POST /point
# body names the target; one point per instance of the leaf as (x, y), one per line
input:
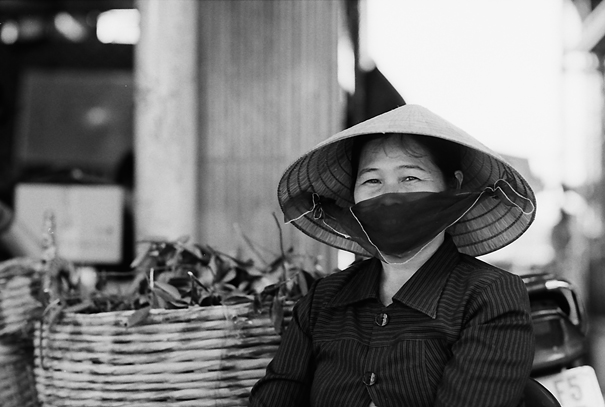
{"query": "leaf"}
(243, 286)
(197, 281)
(189, 257)
(183, 239)
(140, 257)
(138, 285)
(53, 304)
(226, 287)
(167, 291)
(156, 300)
(172, 262)
(275, 264)
(223, 269)
(177, 304)
(166, 250)
(53, 311)
(254, 272)
(229, 275)
(169, 295)
(138, 316)
(302, 283)
(271, 290)
(210, 299)
(240, 263)
(205, 252)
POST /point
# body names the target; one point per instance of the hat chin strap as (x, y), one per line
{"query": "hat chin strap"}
(315, 198)
(383, 257)
(348, 237)
(317, 213)
(496, 187)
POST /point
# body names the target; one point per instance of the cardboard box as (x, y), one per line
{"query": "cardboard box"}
(88, 218)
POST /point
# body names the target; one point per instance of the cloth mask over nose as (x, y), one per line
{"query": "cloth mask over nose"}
(397, 224)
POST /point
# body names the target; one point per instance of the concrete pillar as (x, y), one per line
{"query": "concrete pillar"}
(166, 119)
(268, 92)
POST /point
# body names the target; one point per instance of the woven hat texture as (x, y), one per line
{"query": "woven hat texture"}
(326, 170)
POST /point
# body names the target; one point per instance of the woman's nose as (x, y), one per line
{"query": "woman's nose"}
(392, 187)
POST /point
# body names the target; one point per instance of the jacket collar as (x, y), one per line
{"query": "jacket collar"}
(421, 292)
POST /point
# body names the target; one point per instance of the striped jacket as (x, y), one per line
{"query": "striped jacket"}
(457, 334)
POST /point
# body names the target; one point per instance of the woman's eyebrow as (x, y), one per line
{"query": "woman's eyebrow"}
(366, 170)
(411, 167)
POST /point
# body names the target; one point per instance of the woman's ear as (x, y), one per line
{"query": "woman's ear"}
(459, 177)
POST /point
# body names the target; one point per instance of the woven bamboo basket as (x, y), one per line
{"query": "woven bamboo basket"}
(17, 386)
(19, 308)
(19, 305)
(200, 356)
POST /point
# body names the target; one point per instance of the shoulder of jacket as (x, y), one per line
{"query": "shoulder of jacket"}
(478, 272)
(326, 287)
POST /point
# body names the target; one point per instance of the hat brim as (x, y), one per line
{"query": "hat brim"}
(326, 170)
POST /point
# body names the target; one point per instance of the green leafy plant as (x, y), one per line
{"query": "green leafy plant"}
(177, 274)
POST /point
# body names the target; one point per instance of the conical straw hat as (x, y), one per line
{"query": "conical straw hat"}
(326, 170)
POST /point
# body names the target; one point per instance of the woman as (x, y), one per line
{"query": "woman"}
(420, 322)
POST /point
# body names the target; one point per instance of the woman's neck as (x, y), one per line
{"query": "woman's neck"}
(397, 271)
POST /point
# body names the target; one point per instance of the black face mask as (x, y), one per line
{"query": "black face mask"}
(397, 224)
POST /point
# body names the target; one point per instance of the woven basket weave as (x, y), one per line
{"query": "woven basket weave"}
(17, 388)
(201, 356)
(19, 306)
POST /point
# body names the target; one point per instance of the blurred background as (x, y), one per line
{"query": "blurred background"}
(164, 118)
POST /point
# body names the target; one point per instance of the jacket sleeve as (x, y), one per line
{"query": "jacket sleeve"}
(289, 376)
(492, 359)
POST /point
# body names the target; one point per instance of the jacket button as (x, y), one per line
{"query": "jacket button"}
(382, 319)
(369, 378)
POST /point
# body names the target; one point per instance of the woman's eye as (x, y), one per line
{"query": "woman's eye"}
(410, 178)
(371, 181)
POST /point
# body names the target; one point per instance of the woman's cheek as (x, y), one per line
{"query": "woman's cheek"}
(361, 193)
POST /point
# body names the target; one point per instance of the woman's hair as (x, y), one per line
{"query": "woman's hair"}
(445, 154)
